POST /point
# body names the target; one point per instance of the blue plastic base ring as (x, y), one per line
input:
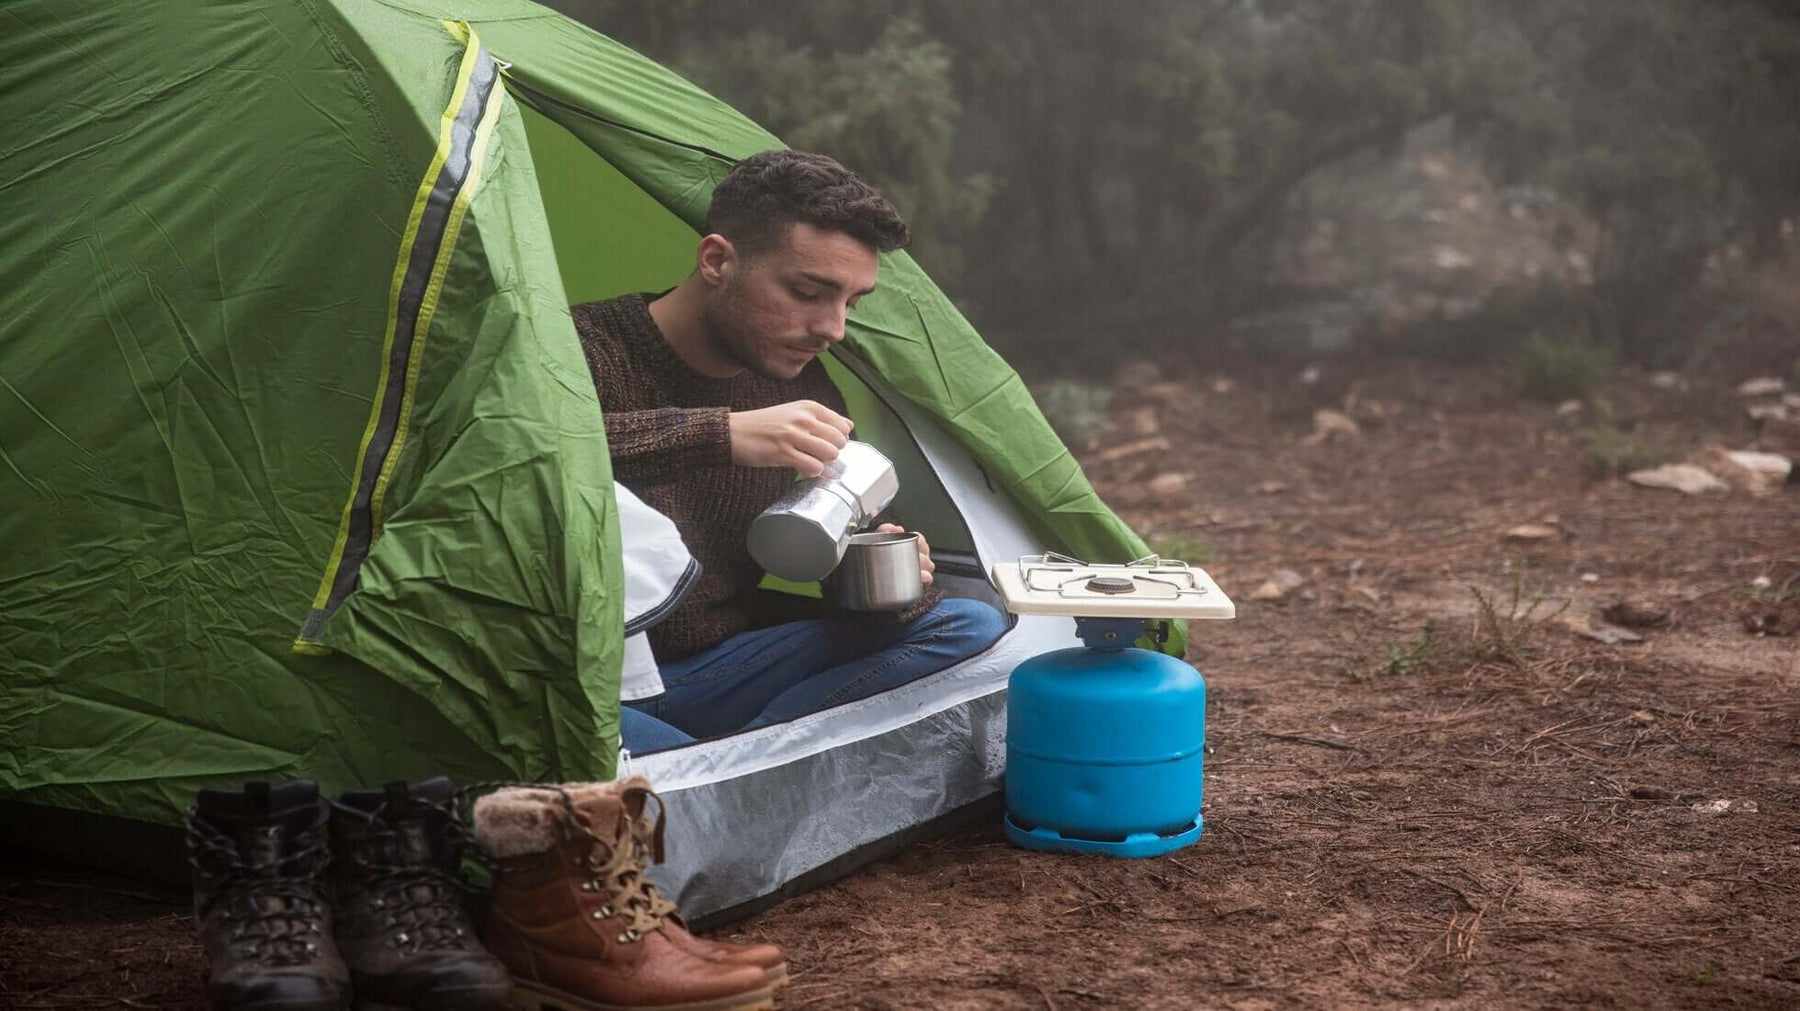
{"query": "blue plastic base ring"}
(1137, 844)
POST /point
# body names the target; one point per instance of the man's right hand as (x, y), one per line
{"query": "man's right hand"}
(803, 435)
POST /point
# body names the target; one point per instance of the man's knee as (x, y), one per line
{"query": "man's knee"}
(968, 626)
(642, 733)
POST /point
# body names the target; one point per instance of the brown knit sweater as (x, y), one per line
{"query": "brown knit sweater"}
(666, 427)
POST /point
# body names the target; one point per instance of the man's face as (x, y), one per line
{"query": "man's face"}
(776, 311)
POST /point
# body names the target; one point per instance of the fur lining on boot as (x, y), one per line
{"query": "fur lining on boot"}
(517, 821)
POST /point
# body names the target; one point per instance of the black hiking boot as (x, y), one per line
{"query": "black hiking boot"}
(258, 857)
(402, 920)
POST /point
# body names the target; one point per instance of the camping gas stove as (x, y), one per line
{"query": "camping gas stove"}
(1149, 588)
(1106, 742)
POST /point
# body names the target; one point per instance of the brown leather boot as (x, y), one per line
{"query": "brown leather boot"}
(401, 921)
(759, 954)
(259, 856)
(574, 919)
(647, 837)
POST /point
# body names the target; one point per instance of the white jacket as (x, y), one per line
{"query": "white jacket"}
(659, 571)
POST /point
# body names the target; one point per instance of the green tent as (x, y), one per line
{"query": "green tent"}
(304, 470)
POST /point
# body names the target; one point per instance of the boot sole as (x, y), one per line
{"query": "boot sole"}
(471, 999)
(538, 997)
(279, 1005)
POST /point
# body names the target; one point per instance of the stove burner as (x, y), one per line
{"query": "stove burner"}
(1111, 584)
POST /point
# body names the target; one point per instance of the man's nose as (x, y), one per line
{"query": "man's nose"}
(829, 325)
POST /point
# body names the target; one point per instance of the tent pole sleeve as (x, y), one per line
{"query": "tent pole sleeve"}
(426, 245)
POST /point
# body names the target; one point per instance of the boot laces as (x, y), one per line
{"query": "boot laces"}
(422, 900)
(647, 848)
(618, 866)
(273, 907)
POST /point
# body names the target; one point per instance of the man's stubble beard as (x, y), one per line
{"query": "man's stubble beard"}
(725, 320)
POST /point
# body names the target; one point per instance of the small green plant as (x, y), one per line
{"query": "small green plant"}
(1553, 370)
(1076, 410)
(1609, 452)
(1193, 550)
(1416, 654)
(1711, 972)
(1506, 636)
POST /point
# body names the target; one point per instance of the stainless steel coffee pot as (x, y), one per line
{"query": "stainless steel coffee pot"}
(802, 537)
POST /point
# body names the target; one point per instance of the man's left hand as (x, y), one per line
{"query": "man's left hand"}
(926, 568)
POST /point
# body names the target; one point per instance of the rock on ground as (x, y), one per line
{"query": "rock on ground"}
(1329, 424)
(1600, 632)
(1172, 483)
(1635, 614)
(1532, 532)
(1682, 477)
(1279, 585)
(1756, 473)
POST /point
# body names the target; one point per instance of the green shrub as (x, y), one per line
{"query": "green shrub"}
(1076, 410)
(1553, 370)
(1611, 452)
(1508, 635)
(1420, 653)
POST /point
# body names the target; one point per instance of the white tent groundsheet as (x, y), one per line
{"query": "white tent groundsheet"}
(748, 814)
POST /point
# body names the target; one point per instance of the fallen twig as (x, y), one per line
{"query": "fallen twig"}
(1467, 904)
(1315, 741)
(1091, 905)
(161, 900)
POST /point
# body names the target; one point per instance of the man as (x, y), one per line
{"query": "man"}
(714, 399)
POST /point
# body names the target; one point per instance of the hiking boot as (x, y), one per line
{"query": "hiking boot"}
(575, 920)
(760, 955)
(647, 838)
(258, 857)
(401, 919)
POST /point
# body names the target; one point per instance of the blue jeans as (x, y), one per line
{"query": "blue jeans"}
(780, 673)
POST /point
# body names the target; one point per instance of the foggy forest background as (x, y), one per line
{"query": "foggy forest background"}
(1607, 179)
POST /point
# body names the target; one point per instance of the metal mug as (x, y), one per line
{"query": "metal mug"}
(802, 537)
(880, 572)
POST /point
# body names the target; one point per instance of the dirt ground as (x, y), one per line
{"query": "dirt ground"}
(1503, 813)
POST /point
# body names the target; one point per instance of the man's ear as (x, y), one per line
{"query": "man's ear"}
(716, 260)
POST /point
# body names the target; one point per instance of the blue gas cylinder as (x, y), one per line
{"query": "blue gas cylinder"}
(1104, 752)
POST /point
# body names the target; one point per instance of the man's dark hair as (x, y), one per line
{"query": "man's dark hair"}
(766, 193)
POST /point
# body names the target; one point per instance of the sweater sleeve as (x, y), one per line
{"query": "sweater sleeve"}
(657, 446)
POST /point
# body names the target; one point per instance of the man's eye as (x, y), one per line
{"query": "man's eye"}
(806, 296)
